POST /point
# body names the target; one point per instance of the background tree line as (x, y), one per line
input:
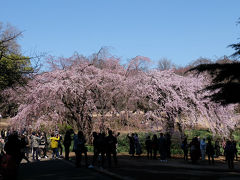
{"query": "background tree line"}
(80, 86)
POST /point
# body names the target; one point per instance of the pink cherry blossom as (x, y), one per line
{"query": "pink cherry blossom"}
(76, 91)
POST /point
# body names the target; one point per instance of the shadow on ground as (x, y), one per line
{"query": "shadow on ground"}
(138, 168)
(55, 170)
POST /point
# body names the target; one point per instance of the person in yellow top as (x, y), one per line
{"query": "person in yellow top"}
(54, 145)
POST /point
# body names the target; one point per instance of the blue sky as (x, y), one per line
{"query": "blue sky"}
(180, 30)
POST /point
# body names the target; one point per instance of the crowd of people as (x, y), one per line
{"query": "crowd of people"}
(104, 147)
(15, 146)
(199, 148)
(153, 146)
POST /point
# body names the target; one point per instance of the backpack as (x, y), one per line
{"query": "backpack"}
(81, 145)
(193, 147)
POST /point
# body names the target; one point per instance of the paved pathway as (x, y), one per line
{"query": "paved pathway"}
(129, 169)
(56, 170)
(173, 169)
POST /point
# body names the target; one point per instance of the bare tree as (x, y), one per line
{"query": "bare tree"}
(200, 61)
(225, 60)
(8, 40)
(165, 64)
(138, 64)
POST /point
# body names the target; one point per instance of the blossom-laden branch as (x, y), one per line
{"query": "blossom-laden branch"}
(73, 94)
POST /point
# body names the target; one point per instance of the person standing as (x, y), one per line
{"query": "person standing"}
(229, 151)
(23, 145)
(67, 143)
(162, 148)
(43, 145)
(184, 147)
(203, 148)
(111, 142)
(137, 145)
(54, 145)
(96, 148)
(80, 148)
(235, 149)
(102, 147)
(210, 151)
(28, 146)
(148, 144)
(12, 157)
(60, 148)
(155, 146)
(131, 145)
(224, 143)
(194, 149)
(35, 141)
(217, 148)
(168, 145)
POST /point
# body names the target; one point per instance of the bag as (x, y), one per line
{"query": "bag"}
(81, 145)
